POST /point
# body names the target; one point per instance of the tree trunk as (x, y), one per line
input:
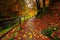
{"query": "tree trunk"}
(38, 4)
(39, 9)
(44, 6)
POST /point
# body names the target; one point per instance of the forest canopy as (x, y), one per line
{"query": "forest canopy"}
(15, 8)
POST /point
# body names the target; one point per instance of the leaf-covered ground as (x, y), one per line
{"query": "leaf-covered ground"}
(32, 28)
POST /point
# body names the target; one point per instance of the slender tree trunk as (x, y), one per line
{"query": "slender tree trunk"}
(39, 9)
(38, 4)
(44, 6)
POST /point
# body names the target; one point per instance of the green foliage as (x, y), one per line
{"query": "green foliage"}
(47, 32)
(11, 39)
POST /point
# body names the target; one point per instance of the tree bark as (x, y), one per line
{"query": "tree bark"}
(39, 9)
